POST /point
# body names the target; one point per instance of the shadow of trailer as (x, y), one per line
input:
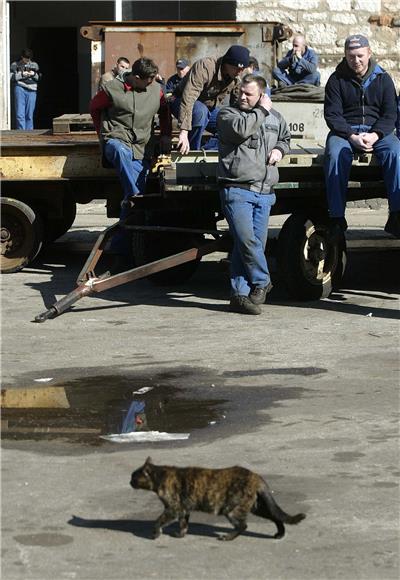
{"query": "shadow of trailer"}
(179, 220)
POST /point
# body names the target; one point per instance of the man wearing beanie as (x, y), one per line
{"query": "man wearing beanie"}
(360, 110)
(201, 93)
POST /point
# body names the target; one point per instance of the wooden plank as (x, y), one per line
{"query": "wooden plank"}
(73, 122)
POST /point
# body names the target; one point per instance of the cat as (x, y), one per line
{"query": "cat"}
(233, 492)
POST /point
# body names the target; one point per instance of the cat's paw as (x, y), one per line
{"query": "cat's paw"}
(156, 533)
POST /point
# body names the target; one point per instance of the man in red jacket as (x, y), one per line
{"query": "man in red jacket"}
(123, 113)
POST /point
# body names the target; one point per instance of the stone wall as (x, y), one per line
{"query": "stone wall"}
(326, 24)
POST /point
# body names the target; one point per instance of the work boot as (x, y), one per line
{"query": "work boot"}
(393, 224)
(336, 229)
(259, 293)
(243, 305)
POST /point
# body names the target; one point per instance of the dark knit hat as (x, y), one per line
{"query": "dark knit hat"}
(182, 63)
(356, 41)
(237, 56)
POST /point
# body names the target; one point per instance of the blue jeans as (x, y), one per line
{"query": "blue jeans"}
(339, 154)
(25, 102)
(292, 79)
(132, 173)
(247, 214)
(202, 118)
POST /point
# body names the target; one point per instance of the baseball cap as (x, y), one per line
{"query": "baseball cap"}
(356, 41)
(182, 63)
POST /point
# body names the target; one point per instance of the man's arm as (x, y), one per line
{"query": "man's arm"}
(236, 126)
(308, 64)
(198, 76)
(388, 114)
(333, 110)
(99, 102)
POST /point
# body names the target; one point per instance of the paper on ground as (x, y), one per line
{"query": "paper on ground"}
(144, 436)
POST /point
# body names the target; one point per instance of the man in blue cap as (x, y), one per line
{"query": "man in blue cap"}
(182, 68)
(360, 110)
(202, 92)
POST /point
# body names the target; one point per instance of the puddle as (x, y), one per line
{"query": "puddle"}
(84, 410)
(187, 402)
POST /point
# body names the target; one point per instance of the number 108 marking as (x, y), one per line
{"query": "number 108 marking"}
(295, 127)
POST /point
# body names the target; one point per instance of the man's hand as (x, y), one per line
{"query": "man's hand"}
(183, 142)
(165, 144)
(363, 141)
(370, 139)
(265, 102)
(274, 157)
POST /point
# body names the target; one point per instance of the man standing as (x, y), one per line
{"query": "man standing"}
(253, 138)
(25, 78)
(121, 66)
(360, 111)
(123, 115)
(299, 66)
(202, 92)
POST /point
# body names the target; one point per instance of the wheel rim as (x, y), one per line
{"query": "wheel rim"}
(17, 239)
(318, 257)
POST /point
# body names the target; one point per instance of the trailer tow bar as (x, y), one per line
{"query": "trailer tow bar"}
(89, 283)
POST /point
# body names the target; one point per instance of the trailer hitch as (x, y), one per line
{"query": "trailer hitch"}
(89, 283)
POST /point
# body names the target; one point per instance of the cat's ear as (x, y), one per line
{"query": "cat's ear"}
(149, 461)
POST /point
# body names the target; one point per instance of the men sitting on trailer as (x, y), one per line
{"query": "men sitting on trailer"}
(299, 66)
(123, 115)
(360, 110)
(253, 138)
(201, 93)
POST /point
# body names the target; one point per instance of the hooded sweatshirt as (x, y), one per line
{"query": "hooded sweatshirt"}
(29, 83)
(350, 100)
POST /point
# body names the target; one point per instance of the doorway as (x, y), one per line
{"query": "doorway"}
(55, 51)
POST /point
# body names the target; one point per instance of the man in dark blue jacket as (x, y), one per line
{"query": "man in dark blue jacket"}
(299, 66)
(360, 111)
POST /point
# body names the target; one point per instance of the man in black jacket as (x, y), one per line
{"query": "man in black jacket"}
(360, 111)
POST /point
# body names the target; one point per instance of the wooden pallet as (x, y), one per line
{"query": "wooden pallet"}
(73, 123)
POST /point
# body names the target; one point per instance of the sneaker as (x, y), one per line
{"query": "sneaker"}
(393, 224)
(243, 305)
(259, 293)
(336, 229)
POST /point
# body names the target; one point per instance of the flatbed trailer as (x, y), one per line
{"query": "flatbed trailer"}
(178, 220)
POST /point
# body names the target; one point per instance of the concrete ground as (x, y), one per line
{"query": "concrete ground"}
(307, 394)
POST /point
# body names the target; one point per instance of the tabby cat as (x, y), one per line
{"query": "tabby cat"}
(233, 492)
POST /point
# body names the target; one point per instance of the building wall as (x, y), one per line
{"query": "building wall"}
(326, 24)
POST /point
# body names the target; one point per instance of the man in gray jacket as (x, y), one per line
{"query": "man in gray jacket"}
(253, 138)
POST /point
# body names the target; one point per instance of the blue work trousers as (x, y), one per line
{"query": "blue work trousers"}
(293, 79)
(25, 102)
(203, 119)
(247, 214)
(339, 155)
(132, 173)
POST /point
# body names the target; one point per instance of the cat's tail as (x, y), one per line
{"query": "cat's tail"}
(266, 507)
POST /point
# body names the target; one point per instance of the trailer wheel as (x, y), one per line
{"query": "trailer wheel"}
(308, 265)
(21, 235)
(150, 246)
(55, 228)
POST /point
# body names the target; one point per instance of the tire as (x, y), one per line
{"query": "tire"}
(150, 246)
(308, 265)
(21, 235)
(55, 228)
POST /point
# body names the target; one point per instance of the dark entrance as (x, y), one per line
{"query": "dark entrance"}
(55, 50)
